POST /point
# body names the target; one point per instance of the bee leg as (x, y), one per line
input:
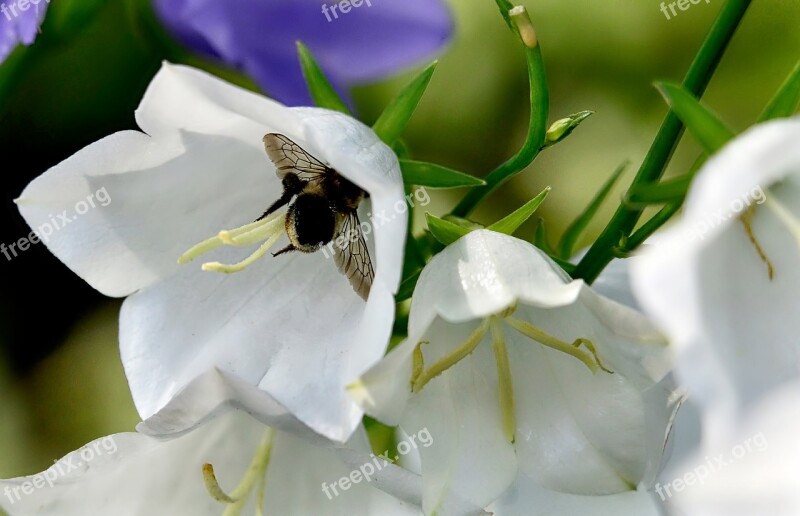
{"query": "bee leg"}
(286, 249)
(283, 201)
(292, 185)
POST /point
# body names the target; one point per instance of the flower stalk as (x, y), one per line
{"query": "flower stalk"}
(697, 78)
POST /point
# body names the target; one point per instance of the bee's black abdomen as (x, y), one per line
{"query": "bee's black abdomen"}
(314, 220)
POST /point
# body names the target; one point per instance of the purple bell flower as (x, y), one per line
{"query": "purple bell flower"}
(354, 41)
(18, 25)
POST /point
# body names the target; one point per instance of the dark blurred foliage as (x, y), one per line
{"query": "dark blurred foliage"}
(67, 93)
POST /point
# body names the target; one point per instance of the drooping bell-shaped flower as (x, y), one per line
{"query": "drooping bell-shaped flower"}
(203, 454)
(355, 41)
(723, 281)
(536, 380)
(292, 324)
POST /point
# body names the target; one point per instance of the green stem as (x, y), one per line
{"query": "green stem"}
(652, 225)
(537, 126)
(697, 78)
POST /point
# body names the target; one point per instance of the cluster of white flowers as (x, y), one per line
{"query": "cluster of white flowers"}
(542, 396)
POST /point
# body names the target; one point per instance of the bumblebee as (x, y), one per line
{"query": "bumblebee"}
(323, 209)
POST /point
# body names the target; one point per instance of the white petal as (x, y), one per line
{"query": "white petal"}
(526, 497)
(584, 433)
(356, 152)
(293, 327)
(576, 432)
(133, 474)
(202, 169)
(468, 456)
(298, 471)
(214, 393)
(483, 273)
(400, 483)
(746, 466)
(383, 391)
(734, 328)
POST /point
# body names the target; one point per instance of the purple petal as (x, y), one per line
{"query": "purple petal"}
(18, 26)
(378, 38)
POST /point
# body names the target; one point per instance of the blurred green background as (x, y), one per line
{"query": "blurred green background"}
(61, 382)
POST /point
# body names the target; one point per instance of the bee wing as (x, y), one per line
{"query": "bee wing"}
(352, 256)
(290, 157)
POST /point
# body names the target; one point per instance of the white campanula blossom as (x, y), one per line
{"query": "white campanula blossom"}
(291, 325)
(550, 394)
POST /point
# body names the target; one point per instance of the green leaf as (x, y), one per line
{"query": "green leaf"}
(400, 148)
(392, 122)
(785, 101)
(413, 258)
(513, 221)
(464, 223)
(540, 239)
(560, 129)
(664, 192)
(421, 173)
(570, 237)
(568, 267)
(407, 287)
(444, 231)
(662, 149)
(520, 22)
(318, 84)
(66, 18)
(704, 125)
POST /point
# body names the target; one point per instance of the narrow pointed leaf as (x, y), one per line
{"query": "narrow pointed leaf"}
(413, 256)
(540, 238)
(407, 286)
(513, 221)
(667, 191)
(67, 18)
(318, 84)
(400, 148)
(785, 101)
(704, 125)
(568, 267)
(444, 231)
(570, 237)
(392, 122)
(421, 173)
(464, 223)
